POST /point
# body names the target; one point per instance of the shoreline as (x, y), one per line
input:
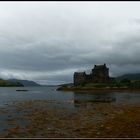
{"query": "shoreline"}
(97, 89)
(93, 121)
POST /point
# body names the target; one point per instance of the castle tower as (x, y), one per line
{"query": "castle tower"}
(100, 73)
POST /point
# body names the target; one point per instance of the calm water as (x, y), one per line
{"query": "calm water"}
(9, 94)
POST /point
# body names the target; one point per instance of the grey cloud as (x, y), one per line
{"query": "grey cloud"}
(47, 42)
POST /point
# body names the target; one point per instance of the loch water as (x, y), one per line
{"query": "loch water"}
(10, 94)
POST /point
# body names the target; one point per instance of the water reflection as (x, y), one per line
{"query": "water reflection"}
(82, 99)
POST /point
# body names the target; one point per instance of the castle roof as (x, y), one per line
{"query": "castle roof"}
(100, 66)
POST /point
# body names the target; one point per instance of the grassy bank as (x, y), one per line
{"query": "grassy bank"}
(116, 86)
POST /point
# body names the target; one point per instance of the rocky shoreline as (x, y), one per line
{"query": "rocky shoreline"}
(93, 120)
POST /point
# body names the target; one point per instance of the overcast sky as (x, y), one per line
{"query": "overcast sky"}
(48, 41)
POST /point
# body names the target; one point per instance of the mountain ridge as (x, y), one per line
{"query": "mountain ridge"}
(130, 76)
(24, 82)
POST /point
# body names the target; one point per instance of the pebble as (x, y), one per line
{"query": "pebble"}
(107, 127)
(138, 125)
(105, 114)
(102, 125)
(77, 129)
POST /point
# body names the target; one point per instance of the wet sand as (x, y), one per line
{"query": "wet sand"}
(90, 120)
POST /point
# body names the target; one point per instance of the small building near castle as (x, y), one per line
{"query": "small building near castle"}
(99, 74)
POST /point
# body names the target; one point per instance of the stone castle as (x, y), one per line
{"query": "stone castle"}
(99, 74)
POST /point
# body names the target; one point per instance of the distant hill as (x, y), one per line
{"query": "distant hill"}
(130, 76)
(24, 82)
(6, 83)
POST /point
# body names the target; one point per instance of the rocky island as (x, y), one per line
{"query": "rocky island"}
(99, 79)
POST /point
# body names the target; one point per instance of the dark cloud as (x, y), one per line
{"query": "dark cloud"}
(49, 41)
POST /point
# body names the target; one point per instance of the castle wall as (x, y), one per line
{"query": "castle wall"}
(79, 78)
(100, 74)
